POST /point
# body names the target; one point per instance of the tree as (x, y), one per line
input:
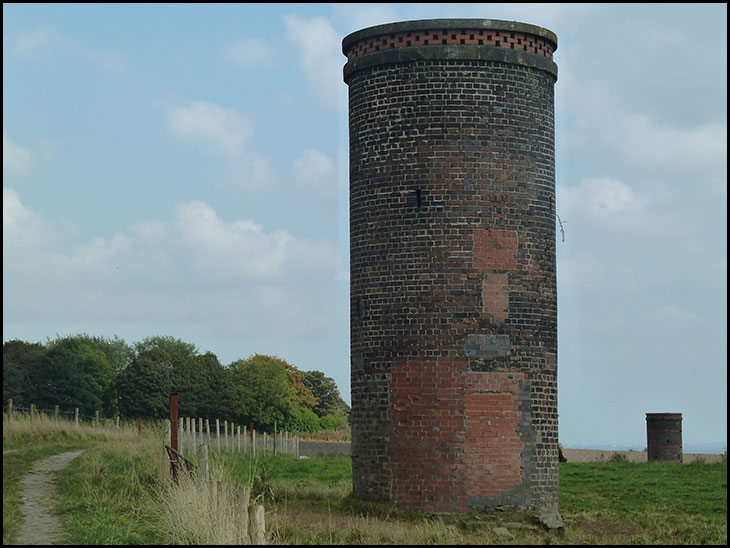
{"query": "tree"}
(326, 392)
(144, 386)
(118, 353)
(261, 390)
(20, 358)
(72, 373)
(210, 386)
(267, 389)
(178, 357)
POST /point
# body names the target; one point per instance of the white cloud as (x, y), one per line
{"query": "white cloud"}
(37, 43)
(23, 229)
(45, 42)
(664, 145)
(197, 270)
(315, 170)
(225, 128)
(17, 160)
(229, 132)
(237, 249)
(601, 198)
(320, 48)
(250, 52)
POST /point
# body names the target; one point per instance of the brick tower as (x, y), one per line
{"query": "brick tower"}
(452, 264)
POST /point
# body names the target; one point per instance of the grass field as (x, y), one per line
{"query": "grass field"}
(119, 492)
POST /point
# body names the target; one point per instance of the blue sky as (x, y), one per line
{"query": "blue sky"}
(182, 170)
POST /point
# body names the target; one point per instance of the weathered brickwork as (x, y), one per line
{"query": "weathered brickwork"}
(481, 37)
(452, 269)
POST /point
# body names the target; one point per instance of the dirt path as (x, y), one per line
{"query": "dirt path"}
(41, 525)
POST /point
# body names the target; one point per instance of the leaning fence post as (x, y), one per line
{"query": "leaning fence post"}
(256, 525)
(244, 496)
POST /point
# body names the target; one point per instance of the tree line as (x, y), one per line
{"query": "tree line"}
(118, 379)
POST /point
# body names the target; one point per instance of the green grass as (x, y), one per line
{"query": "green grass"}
(603, 503)
(667, 502)
(110, 494)
(119, 492)
(631, 488)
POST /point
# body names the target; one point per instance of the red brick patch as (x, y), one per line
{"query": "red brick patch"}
(493, 449)
(495, 249)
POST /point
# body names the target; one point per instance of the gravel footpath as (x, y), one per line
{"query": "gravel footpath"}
(41, 525)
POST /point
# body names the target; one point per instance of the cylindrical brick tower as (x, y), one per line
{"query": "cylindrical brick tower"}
(664, 437)
(452, 264)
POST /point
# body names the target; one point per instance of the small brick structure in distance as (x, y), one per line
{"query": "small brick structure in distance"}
(452, 264)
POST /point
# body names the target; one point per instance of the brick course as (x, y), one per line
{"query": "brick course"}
(452, 269)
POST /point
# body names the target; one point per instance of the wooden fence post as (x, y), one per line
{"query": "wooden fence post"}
(181, 439)
(218, 434)
(257, 526)
(55, 412)
(244, 496)
(96, 418)
(10, 406)
(76, 417)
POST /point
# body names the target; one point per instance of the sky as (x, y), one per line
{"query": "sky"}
(181, 170)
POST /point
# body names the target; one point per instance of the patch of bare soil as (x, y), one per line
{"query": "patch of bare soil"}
(41, 525)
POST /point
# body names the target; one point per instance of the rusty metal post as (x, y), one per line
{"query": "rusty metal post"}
(173, 422)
